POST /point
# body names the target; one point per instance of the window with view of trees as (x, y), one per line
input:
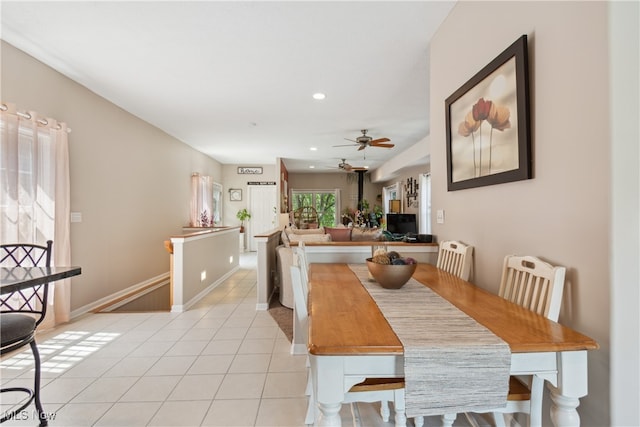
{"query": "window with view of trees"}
(325, 202)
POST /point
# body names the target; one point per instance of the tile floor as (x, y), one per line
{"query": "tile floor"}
(221, 363)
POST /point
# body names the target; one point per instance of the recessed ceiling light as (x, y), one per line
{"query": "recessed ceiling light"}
(312, 167)
(319, 96)
(313, 148)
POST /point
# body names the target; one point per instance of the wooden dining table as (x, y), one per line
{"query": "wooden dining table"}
(350, 339)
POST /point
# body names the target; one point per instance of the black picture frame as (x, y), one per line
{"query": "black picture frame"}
(486, 144)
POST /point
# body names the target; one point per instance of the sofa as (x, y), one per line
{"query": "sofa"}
(290, 237)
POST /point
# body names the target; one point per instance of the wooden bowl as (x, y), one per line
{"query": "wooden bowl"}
(391, 276)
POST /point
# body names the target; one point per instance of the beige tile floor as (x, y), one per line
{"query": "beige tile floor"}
(221, 363)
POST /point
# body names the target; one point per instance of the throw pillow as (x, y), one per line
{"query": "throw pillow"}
(339, 234)
(366, 234)
(309, 238)
(307, 231)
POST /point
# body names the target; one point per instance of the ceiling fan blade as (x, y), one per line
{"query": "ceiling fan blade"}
(383, 145)
(346, 145)
(362, 147)
(359, 169)
(352, 140)
(376, 141)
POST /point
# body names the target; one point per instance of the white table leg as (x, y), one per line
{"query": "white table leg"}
(328, 374)
(329, 415)
(572, 385)
(563, 409)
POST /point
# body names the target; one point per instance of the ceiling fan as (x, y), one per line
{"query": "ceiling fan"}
(348, 168)
(365, 141)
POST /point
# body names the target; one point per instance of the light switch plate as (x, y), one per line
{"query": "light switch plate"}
(440, 216)
(76, 217)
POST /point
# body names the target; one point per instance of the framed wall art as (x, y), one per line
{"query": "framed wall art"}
(235, 195)
(488, 126)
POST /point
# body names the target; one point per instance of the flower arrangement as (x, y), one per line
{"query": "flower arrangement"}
(496, 116)
(204, 219)
(361, 217)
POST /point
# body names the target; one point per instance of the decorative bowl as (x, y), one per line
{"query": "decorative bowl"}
(391, 276)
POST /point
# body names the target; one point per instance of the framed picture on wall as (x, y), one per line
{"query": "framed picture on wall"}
(235, 195)
(487, 124)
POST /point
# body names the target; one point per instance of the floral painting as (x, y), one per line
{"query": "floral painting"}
(487, 120)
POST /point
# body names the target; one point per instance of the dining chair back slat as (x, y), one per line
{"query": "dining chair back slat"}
(456, 258)
(534, 284)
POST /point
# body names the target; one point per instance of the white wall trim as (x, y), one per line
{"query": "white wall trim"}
(164, 277)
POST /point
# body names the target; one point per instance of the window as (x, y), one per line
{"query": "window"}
(325, 202)
(217, 203)
(425, 203)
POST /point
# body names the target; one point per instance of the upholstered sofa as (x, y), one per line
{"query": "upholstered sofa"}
(291, 236)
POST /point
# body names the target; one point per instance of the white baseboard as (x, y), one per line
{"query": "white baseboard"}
(162, 278)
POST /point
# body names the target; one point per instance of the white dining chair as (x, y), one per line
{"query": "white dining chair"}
(302, 261)
(371, 390)
(538, 286)
(456, 258)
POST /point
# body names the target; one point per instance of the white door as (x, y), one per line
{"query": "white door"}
(262, 207)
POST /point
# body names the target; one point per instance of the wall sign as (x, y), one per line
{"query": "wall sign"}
(249, 171)
(261, 183)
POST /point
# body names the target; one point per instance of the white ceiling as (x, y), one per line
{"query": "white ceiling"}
(235, 79)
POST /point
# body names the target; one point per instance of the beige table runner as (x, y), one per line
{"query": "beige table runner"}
(452, 364)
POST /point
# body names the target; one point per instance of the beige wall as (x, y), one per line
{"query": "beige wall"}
(563, 213)
(129, 180)
(232, 179)
(347, 183)
(402, 177)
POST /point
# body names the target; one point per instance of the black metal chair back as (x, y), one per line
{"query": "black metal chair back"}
(31, 300)
(21, 311)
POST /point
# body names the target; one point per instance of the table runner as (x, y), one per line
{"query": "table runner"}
(458, 366)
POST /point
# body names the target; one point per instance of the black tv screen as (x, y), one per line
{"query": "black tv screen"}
(402, 223)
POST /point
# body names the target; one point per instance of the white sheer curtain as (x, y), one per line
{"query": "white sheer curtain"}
(202, 209)
(34, 193)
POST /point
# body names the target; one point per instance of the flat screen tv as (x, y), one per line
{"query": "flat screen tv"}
(402, 223)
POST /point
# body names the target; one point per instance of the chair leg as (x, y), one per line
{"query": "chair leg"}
(310, 417)
(535, 404)
(399, 408)
(448, 419)
(471, 419)
(498, 418)
(418, 421)
(36, 385)
(384, 411)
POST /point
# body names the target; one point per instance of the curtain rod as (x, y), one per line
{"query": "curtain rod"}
(43, 122)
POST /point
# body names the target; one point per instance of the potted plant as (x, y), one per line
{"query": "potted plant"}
(243, 215)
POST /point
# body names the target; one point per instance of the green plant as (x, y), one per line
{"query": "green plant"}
(243, 215)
